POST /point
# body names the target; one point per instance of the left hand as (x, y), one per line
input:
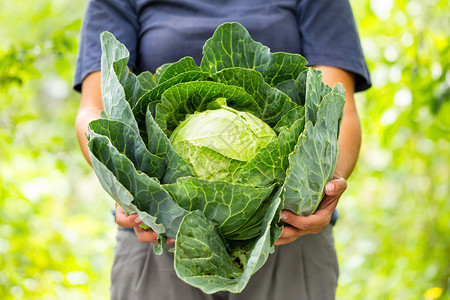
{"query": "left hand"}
(133, 221)
(298, 225)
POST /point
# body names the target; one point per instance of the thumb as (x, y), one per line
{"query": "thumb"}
(336, 186)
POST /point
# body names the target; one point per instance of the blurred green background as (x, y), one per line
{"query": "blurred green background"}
(56, 228)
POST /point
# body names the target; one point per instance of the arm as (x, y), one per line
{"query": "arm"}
(90, 108)
(349, 143)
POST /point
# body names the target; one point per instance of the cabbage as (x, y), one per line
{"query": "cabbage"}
(210, 154)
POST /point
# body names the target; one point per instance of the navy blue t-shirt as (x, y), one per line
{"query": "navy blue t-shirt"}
(158, 32)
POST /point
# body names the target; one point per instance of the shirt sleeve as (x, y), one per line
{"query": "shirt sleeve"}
(330, 37)
(116, 16)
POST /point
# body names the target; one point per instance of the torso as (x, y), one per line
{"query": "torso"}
(170, 30)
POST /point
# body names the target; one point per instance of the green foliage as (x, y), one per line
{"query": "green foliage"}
(52, 244)
(392, 236)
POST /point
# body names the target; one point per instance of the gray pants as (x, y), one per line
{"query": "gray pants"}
(305, 269)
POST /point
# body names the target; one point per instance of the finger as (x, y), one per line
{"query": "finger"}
(309, 224)
(290, 232)
(288, 235)
(149, 235)
(285, 237)
(327, 205)
(330, 201)
(282, 241)
(336, 186)
(146, 236)
(125, 220)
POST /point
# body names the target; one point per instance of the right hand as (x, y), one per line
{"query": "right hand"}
(133, 221)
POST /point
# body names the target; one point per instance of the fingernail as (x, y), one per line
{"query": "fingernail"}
(138, 220)
(283, 216)
(329, 188)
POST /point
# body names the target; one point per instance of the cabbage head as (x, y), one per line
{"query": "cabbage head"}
(210, 154)
(217, 142)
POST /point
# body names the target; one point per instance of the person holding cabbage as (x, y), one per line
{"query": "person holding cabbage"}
(304, 264)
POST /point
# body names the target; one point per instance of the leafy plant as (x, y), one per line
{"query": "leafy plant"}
(209, 155)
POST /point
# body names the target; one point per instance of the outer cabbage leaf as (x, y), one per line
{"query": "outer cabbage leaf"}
(232, 46)
(153, 97)
(134, 191)
(273, 103)
(315, 91)
(226, 204)
(203, 260)
(290, 118)
(129, 81)
(115, 105)
(182, 66)
(190, 97)
(146, 80)
(128, 142)
(313, 161)
(270, 164)
(160, 70)
(159, 145)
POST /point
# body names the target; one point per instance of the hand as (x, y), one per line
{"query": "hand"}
(298, 225)
(134, 221)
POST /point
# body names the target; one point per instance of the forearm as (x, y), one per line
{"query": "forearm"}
(349, 144)
(85, 116)
(90, 108)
